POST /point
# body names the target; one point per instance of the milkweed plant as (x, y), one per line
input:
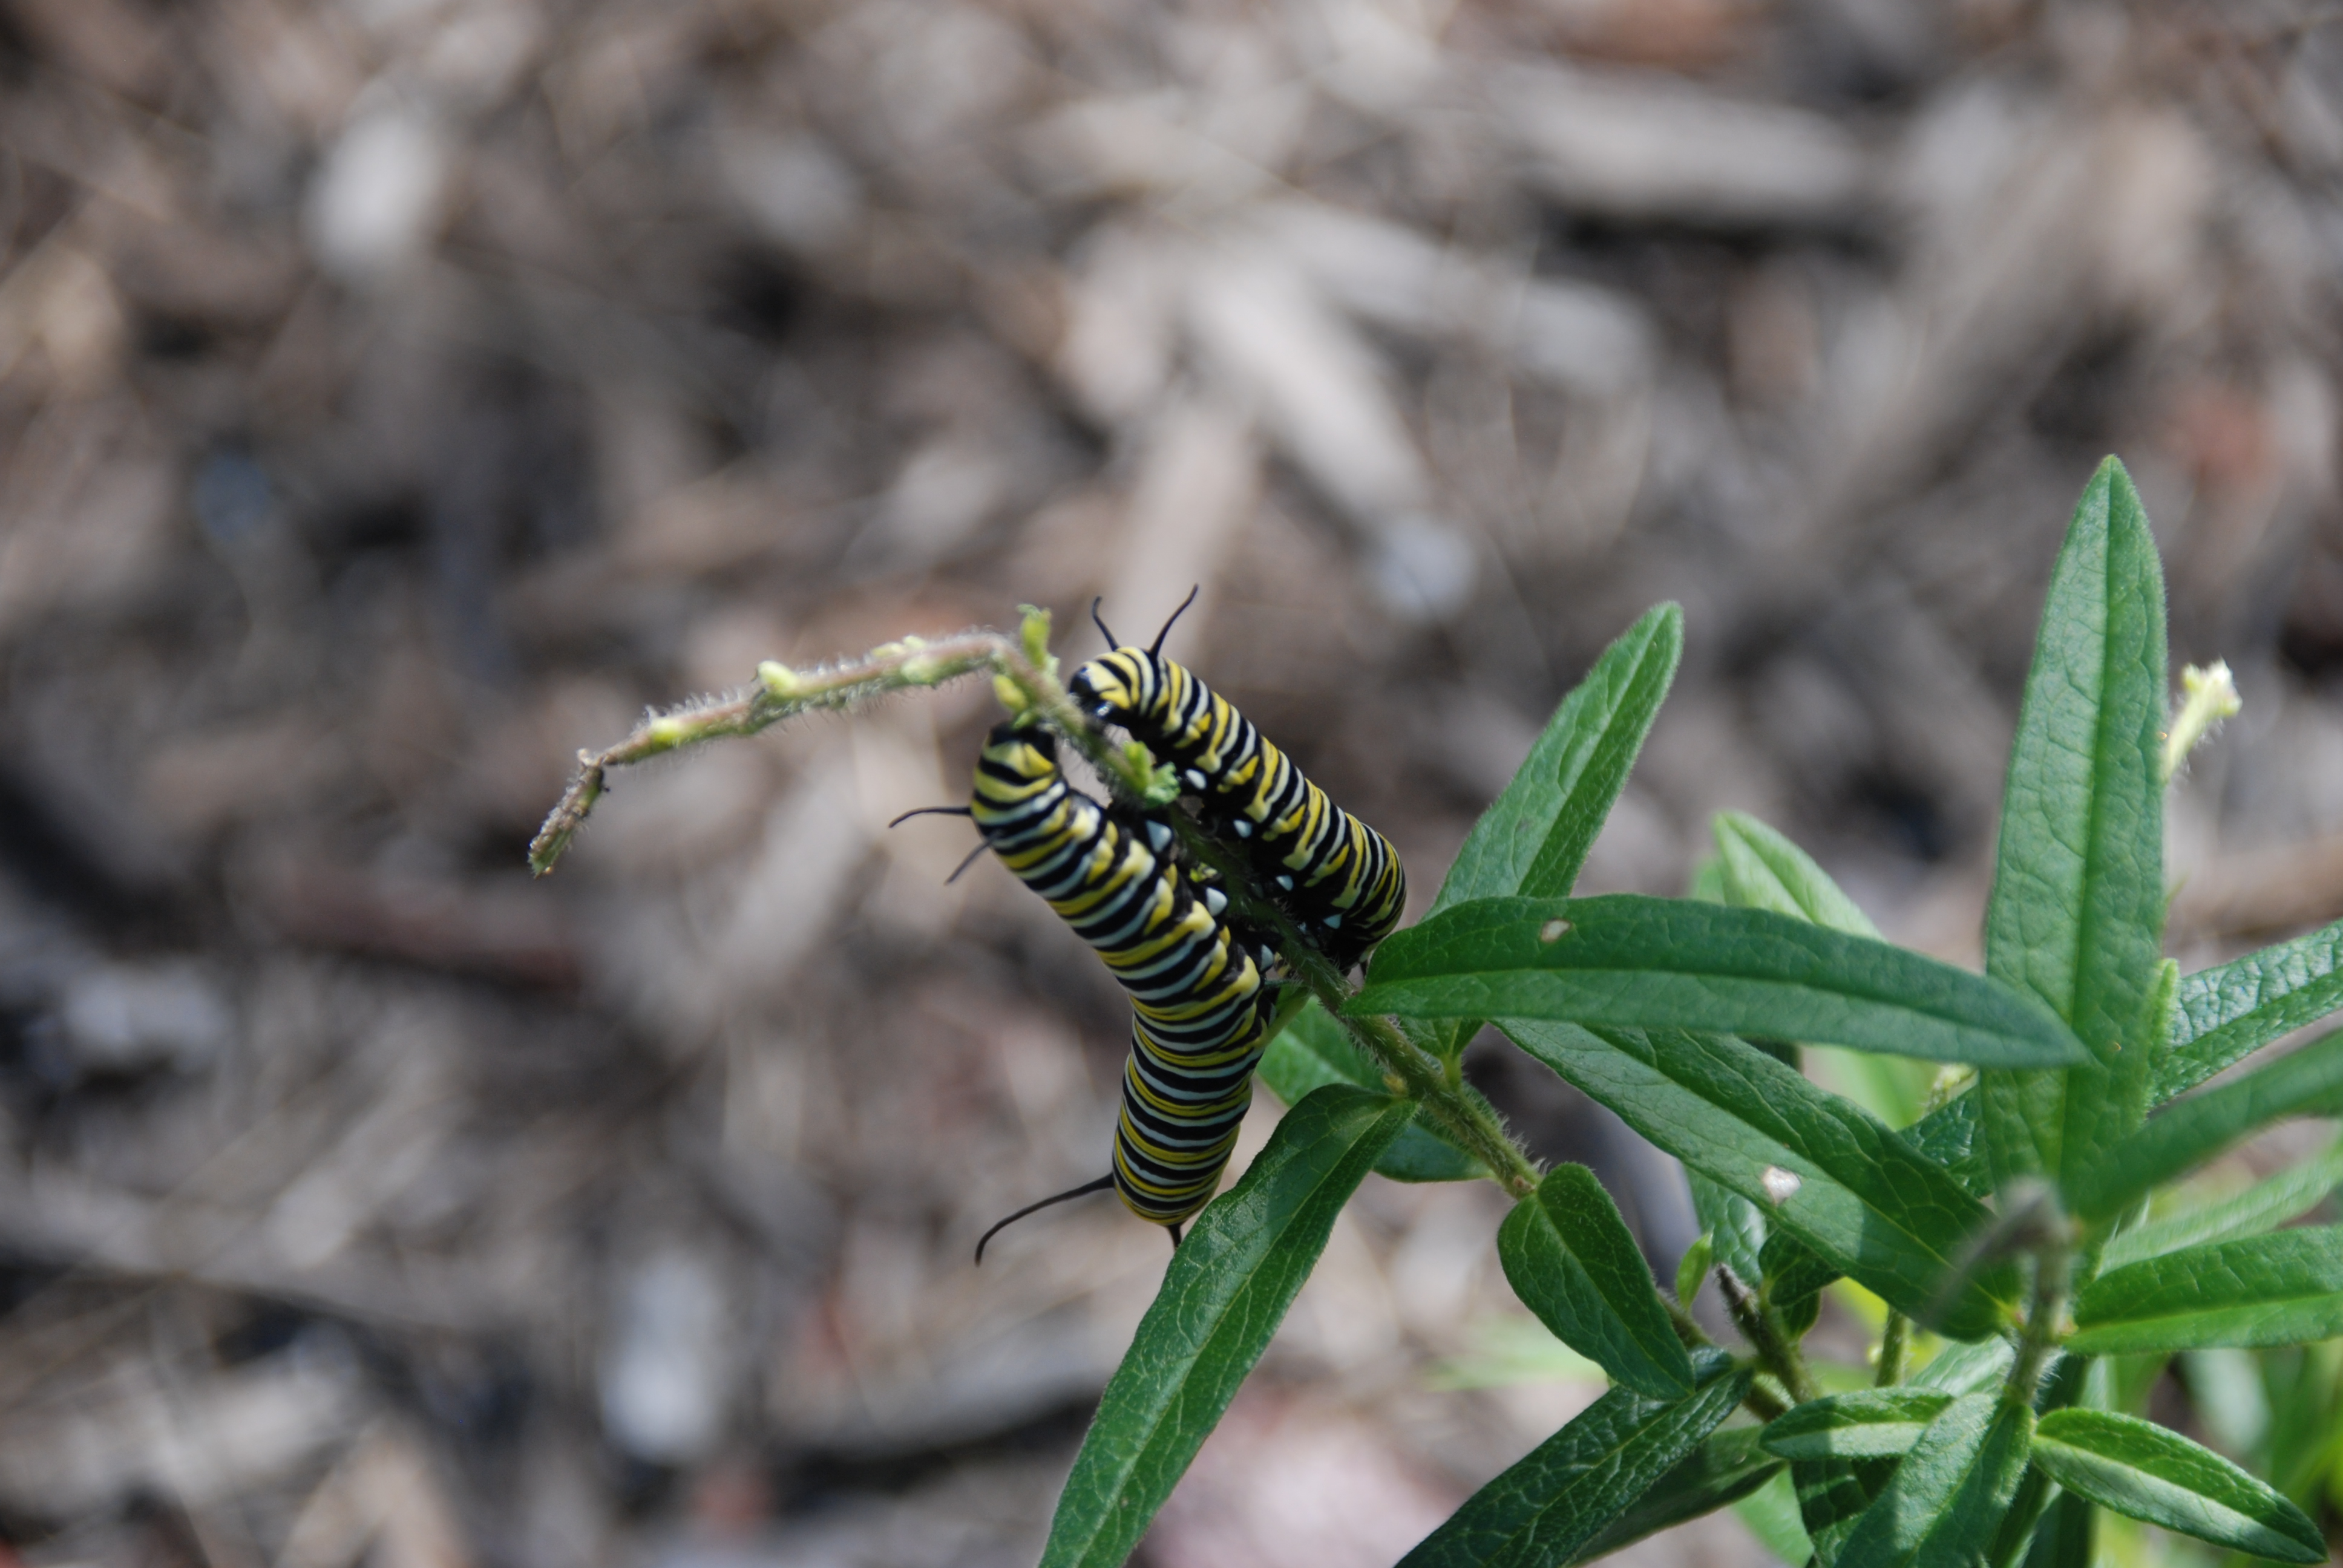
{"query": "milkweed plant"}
(2026, 1225)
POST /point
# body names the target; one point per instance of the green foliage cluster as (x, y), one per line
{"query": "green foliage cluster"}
(2014, 1216)
(2031, 1216)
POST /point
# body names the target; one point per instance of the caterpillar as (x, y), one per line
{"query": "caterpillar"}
(1341, 879)
(1201, 1008)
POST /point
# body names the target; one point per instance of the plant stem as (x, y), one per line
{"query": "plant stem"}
(1895, 1345)
(1688, 1328)
(2053, 1266)
(1761, 1404)
(1776, 1350)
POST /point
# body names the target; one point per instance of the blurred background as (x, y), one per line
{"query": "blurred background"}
(396, 395)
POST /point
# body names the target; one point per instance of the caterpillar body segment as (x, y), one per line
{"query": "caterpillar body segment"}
(1201, 1011)
(1340, 878)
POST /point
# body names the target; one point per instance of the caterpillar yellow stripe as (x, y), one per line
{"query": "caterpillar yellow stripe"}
(1341, 879)
(1200, 1009)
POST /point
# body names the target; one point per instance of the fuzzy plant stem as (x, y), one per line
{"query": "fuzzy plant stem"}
(1025, 676)
(1895, 1349)
(2053, 1273)
(1777, 1350)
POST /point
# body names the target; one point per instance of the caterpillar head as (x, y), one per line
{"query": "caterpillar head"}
(1112, 684)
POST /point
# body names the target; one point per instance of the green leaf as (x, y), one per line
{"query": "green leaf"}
(2288, 1195)
(2076, 913)
(2063, 1537)
(1313, 1051)
(1771, 1514)
(1876, 1423)
(2190, 1131)
(1572, 1486)
(1533, 839)
(1640, 962)
(2066, 1536)
(1721, 1471)
(1693, 1268)
(1967, 1369)
(1824, 1171)
(1227, 1288)
(2282, 1288)
(1574, 1263)
(1794, 1281)
(1763, 869)
(1948, 1495)
(2140, 1469)
(1833, 1495)
(2225, 1014)
(1736, 1231)
(1949, 1136)
(2063, 1385)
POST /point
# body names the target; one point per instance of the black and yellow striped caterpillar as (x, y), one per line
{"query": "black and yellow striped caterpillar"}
(1201, 1009)
(1340, 878)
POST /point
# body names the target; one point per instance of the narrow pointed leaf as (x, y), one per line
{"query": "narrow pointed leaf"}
(2288, 1195)
(1950, 1492)
(1824, 1171)
(1227, 1288)
(2282, 1288)
(1640, 962)
(1833, 1496)
(1967, 1369)
(2076, 913)
(2190, 1131)
(1574, 1263)
(1572, 1486)
(2064, 1537)
(2061, 1386)
(1874, 1424)
(1721, 1471)
(2225, 1014)
(1693, 1268)
(1533, 839)
(1763, 869)
(2140, 1469)
(1313, 1051)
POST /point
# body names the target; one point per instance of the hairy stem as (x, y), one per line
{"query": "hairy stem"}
(2053, 1273)
(1895, 1348)
(1687, 1329)
(779, 693)
(1778, 1353)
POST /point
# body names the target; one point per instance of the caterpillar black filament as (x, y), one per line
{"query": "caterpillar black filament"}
(1200, 1009)
(1340, 878)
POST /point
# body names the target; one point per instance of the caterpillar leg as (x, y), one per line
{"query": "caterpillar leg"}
(1174, 1228)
